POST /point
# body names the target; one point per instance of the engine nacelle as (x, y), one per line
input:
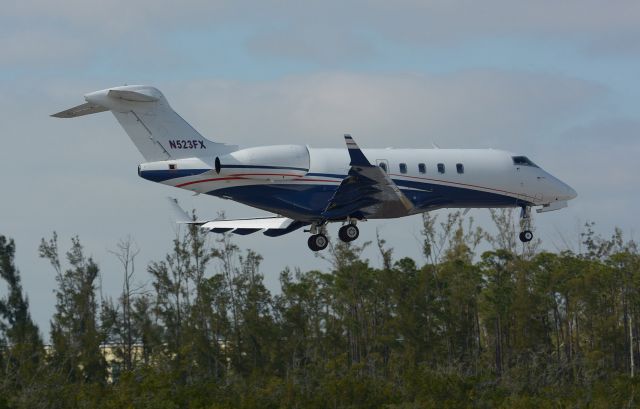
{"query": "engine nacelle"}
(278, 162)
(163, 170)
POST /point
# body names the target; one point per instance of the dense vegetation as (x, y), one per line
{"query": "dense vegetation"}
(514, 327)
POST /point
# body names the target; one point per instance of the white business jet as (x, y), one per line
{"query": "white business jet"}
(305, 186)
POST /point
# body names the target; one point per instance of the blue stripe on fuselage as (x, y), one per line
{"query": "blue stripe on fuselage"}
(307, 202)
(164, 175)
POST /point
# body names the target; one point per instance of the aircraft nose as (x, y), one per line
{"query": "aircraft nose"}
(558, 190)
(564, 191)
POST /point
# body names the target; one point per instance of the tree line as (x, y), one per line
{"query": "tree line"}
(511, 327)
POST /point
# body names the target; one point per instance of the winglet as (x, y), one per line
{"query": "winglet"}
(357, 157)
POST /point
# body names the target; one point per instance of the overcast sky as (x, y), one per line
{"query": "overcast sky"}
(557, 81)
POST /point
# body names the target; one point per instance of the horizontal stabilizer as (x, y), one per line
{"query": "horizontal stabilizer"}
(80, 110)
(141, 95)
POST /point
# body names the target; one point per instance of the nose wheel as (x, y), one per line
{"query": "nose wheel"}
(526, 235)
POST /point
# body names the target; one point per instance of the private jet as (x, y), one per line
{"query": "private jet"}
(312, 187)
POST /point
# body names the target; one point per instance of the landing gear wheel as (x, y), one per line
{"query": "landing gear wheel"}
(526, 236)
(348, 233)
(318, 242)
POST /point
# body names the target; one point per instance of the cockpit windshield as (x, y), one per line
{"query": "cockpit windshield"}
(523, 161)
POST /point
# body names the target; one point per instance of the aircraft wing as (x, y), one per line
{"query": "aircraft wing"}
(271, 226)
(366, 191)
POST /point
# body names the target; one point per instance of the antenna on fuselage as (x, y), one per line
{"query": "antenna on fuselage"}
(435, 146)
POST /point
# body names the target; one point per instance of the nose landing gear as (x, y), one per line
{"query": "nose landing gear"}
(526, 235)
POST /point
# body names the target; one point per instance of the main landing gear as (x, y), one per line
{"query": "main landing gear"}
(318, 240)
(526, 235)
(348, 232)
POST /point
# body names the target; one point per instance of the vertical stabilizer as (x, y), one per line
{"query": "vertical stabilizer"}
(155, 128)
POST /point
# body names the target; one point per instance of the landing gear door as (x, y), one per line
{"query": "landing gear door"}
(383, 164)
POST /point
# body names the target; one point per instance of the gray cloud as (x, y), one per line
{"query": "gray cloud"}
(315, 43)
(37, 47)
(471, 108)
(598, 27)
(319, 32)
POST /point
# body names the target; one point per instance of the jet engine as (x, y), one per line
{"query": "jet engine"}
(279, 162)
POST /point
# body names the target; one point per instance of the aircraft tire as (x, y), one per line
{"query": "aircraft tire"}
(318, 242)
(348, 233)
(526, 236)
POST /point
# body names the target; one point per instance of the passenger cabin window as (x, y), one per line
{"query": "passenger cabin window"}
(422, 168)
(403, 168)
(523, 161)
(440, 167)
(460, 167)
(383, 166)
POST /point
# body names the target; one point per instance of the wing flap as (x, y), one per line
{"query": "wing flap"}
(271, 226)
(259, 223)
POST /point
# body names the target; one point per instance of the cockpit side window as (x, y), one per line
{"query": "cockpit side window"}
(523, 161)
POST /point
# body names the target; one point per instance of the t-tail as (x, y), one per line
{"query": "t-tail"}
(155, 128)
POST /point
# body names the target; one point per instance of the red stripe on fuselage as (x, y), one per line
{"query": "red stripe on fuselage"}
(206, 180)
(266, 174)
(241, 176)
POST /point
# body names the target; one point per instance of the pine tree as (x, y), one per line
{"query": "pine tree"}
(75, 332)
(22, 354)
